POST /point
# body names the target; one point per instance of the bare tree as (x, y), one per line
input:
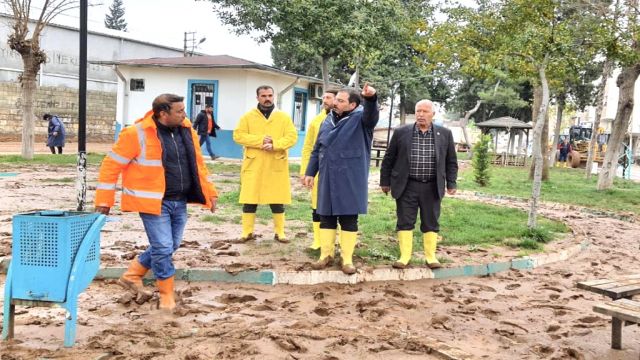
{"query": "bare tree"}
(607, 70)
(538, 143)
(626, 85)
(464, 123)
(26, 42)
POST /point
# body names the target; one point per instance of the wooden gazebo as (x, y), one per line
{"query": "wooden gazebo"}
(513, 127)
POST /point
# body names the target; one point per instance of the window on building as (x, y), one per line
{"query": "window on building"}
(136, 85)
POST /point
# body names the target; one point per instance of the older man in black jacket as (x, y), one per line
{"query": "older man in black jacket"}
(419, 163)
(205, 125)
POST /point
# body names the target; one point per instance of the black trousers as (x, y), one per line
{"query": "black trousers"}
(252, 208)
(53, 149)
(347, 222)
(423, 196)
(314, 216)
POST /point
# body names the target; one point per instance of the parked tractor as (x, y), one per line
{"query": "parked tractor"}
(580, 137)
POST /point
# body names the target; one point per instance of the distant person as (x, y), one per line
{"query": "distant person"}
(206, 126)
(309, 141)
(342, 157)
(56, 133)
(266, 133)
(162, 170)
(564, 149)
(417, 167)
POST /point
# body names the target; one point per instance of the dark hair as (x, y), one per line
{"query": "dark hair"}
(46, 116)
(332, 91)
(354, 96)
(263, 87)
(163, 103)
(208, 106)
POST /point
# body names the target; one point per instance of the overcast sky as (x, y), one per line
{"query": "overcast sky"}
(164, 22)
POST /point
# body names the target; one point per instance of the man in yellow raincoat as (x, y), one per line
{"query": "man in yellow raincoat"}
(266, 134)
(309, 141)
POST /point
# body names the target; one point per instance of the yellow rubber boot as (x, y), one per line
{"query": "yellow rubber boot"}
(348, 240)
(278, 228)
(327, 248)
(405, 240)
(132, 278)
(316, 236)
(248, 221)
(430, 239)
(167, 296)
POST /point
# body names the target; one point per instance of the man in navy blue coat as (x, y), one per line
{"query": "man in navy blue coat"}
(342, 155)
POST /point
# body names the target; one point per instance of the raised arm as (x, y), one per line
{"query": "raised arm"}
(371, 112)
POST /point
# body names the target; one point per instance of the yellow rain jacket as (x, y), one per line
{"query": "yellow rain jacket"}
(264, 176)
(307, 148)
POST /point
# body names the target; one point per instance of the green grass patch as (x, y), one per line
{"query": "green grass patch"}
(46, 159)
(218, 167)
(567, 186)
(61, 180)
(212, 219)
(461, 223)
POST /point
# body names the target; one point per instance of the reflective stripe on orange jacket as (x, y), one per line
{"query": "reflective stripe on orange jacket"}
(138, 156)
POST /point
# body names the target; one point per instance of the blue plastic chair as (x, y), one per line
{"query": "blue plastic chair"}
(55, 256)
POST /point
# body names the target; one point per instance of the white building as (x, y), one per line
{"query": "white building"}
(226, 82)
(62, 44)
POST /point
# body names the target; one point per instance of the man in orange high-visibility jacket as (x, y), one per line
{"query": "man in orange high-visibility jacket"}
(162, 170)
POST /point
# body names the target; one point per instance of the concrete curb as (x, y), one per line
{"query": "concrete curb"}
(268, 277)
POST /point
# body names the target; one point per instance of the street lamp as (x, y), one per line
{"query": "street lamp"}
(194, 46)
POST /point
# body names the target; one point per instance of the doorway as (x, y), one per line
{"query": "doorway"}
(201, 93)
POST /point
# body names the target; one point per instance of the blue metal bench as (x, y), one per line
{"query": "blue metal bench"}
(55, 256)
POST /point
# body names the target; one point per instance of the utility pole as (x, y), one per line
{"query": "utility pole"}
(81, 183)
(184, 52)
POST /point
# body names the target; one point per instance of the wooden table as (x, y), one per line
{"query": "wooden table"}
(619, 288)
(623, 310)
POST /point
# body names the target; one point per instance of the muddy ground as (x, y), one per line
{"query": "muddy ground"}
(537, 314)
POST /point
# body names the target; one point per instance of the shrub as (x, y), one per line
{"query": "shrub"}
(481, 160)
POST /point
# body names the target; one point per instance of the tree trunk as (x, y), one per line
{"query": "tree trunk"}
(535, 109)
(607, 69)
(29, 85)
(545, 143)
(464, 122)
(402, 107)
(626, 83)
(538, 143)
(325, 73)
(556, 132)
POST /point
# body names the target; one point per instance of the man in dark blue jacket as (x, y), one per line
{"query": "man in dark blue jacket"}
(342, 154)
(205, 125)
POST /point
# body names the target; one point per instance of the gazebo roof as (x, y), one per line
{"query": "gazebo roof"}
(504, 122)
